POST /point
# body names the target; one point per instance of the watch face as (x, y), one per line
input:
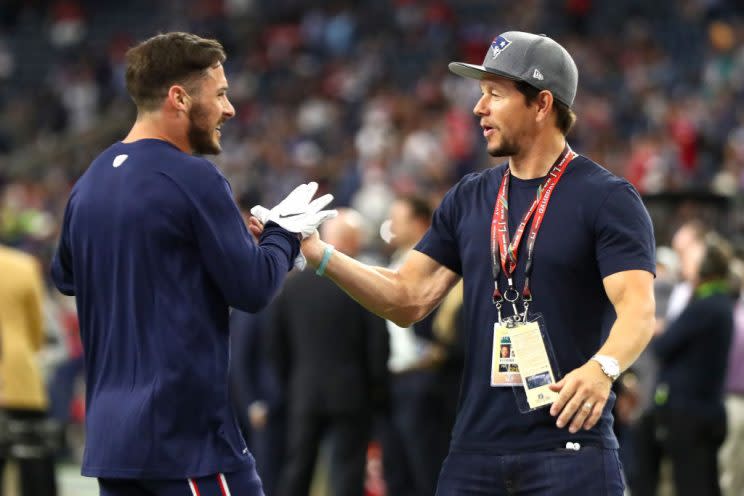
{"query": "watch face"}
(609, 366)
(613, 370)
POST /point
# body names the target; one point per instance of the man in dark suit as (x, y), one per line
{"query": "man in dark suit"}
(256, 395)
(331, 354)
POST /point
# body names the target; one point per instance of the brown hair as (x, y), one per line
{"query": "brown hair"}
(420, 208)
(156, 64)
(565, 118)
(717, 259)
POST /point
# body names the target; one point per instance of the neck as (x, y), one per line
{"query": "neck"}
(152, 125)
(538, 158)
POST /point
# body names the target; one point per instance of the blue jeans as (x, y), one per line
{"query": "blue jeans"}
(588, 471)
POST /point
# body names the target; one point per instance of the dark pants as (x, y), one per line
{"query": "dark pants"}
(415, 435)
(349, 436)
(30, 452)
(691, 444)
(62, 388)
(243, 483)
(561, 472)
(268, 448)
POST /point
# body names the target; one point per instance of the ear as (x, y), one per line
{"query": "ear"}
(179, 98)
(544, 102)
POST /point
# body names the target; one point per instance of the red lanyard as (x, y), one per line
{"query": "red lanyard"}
(500, 243)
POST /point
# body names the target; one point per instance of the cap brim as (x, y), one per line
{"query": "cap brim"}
(474, 71)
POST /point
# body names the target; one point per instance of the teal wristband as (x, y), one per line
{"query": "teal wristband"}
(327, 252)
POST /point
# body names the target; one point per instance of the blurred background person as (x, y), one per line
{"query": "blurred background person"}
(676, 278)
(66, 374)
(23, 399)
(415, 437)
(732, 451)
(634, 389)
(687, 244)
(254, 387)
(330, 355)
(689, 420)
(256, 395)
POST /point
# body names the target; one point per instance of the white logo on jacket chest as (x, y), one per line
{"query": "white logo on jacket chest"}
(120, 160)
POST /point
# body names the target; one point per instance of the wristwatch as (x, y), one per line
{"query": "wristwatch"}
(610, 366)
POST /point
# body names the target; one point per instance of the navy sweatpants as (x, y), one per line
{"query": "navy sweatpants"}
(243, 483)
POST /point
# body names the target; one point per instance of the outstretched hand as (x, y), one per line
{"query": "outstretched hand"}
(583, 394)
(296, 213)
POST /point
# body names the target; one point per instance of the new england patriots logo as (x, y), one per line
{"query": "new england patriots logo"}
(498, 45)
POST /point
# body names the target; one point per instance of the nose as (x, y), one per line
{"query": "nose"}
(480, 108)
(229, 110)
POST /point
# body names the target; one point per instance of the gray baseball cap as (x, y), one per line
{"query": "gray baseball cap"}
(533, 58)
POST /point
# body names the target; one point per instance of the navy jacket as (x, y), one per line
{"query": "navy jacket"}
(155, 251)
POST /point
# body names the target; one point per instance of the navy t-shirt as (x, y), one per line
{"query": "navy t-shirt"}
(595, 225)
(155, 251)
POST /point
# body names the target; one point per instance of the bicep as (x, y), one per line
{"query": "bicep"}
(631, 292)
(624, 234)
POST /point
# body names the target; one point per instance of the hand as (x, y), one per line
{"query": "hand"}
(583, 394)
(255, 226)
(296, 213)
(258, 414)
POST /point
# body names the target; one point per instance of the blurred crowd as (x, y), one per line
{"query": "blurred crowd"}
(356, 95)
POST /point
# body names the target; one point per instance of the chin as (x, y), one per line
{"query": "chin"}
(208, 148)
(496, 152)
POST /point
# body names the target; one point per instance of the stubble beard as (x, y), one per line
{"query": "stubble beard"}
(200, 134)
(506, 148)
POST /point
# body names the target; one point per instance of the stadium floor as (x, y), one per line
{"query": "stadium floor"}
(69, 480)
(71, 483)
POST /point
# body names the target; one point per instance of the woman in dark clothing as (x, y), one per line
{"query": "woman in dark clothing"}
(689, 421)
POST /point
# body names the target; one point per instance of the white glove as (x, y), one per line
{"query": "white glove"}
(262, 214)
(297, 214)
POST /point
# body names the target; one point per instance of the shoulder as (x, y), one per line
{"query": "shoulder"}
(17, 261)
(193, 175)
(722, 304)
(189, 167)
(713, 312)
(600, 189)
(463, 191)
(593, 176)
(480, 178)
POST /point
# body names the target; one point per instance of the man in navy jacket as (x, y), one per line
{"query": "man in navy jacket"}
(156, 252)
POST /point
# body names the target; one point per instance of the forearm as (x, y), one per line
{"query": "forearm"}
(378, 289)
(250, 275)
(629, 336)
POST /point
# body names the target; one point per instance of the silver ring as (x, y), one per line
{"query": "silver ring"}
(588, 406)
(513, 292)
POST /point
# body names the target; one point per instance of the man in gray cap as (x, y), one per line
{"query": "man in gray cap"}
(576, 302)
